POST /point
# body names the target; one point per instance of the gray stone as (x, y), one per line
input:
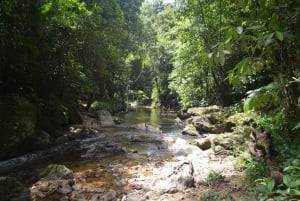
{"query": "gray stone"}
(111, 195)
(65, 189)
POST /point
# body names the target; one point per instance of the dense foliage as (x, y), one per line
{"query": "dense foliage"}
(57, 56)
(231, 52)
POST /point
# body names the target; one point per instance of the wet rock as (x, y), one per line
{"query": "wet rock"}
(54, 171)
(111, 195)
(148, 128)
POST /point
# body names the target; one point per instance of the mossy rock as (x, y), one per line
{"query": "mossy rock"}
(241, 119)
(198, 111)
(55, 171)
(10, 188)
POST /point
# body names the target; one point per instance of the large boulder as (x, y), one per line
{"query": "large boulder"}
(105, 119)
(211, 123)
(180, 178)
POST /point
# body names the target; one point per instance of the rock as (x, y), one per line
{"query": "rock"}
(105, 119)
(65, 189)
(202, 124)
(120, 182)
(190, 130)
(147, 127)
(241, 119)
(226, 140)
(205, 144)
(179, 122)
(111, 195)
(175, 178)
(54, 171)
(95, 197)
(199, 111)
(65, 198)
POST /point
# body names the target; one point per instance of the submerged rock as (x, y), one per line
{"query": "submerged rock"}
(148, 127)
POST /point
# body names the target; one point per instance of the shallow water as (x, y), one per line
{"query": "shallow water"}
(123, 145)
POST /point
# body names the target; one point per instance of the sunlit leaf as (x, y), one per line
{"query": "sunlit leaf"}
(46, 8)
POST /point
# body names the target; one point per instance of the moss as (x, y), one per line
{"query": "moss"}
(10, 188)
(56, 171)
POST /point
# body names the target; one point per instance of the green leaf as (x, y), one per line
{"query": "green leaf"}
(295, 192)
(271, 185)
(46, 8)
(287, 180)
(297, 126)
(279, 35)
(222, 58)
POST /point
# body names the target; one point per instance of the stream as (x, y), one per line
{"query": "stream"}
(118, 145)
(125, 163)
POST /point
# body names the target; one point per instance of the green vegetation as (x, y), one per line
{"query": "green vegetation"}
(10, 188)
(59, 58)
(214, 178)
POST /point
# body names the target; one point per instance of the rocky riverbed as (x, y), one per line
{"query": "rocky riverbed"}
(132, 164)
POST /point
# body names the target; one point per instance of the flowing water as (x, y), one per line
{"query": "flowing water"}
(120, 145)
